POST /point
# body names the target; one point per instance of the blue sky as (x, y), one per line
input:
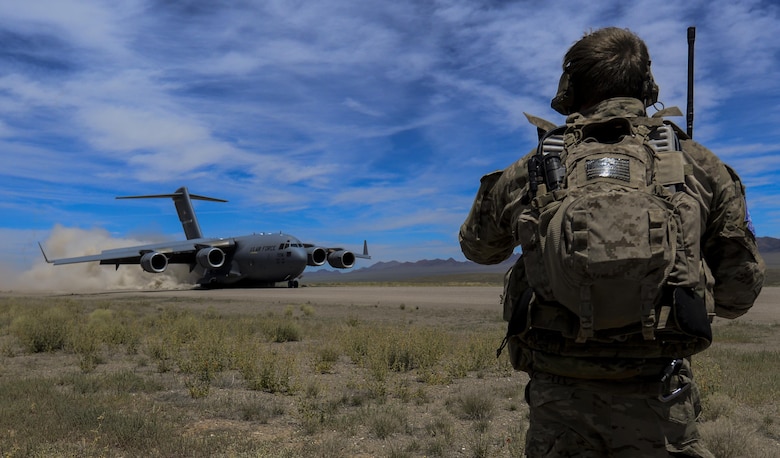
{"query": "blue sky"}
(334, 121)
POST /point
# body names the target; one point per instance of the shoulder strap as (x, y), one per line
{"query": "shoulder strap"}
(671, 165)
(663, 138)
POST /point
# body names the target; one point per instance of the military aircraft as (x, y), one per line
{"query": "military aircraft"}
(262, 259)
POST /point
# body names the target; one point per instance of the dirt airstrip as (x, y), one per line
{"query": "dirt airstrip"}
(442, 299)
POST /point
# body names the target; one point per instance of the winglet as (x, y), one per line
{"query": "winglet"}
(44, 254)
(365, 254)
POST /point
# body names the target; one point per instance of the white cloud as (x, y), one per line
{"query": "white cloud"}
(93, 25)
(322, 108)
(353, 104)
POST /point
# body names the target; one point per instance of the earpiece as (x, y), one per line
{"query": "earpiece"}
(564, 100)
(650, 89)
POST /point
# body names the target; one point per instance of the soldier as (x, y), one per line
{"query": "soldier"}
(598, 388)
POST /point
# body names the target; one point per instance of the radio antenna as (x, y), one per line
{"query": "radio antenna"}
(689, 115)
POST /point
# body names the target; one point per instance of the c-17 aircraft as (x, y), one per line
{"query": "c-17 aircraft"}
(262, 259)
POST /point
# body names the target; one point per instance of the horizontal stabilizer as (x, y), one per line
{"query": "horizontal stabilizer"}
(182, 199)
(171, 196)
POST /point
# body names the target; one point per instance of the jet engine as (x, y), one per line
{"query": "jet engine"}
(316, 256)
(341, 259)
(210, 257)
(154, 262)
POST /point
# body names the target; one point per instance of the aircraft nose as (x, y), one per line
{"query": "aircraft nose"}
(298, 255)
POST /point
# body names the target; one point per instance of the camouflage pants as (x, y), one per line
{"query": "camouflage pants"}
(578, 418)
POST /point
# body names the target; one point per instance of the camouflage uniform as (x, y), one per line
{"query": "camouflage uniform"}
(606, 406)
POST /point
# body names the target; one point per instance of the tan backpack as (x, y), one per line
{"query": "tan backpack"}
(611, 243)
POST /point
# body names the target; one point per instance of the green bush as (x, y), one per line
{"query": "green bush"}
(115, 329)
(267, 370)
(284, 331)
(42, 330)
(382, 349)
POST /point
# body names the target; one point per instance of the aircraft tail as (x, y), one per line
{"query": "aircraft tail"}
(365, 254)
(183, 201)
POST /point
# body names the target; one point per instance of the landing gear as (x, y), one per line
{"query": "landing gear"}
(292, 284)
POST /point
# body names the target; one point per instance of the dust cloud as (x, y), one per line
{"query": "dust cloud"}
(91, 276)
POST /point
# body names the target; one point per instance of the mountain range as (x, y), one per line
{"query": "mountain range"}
(427, 269)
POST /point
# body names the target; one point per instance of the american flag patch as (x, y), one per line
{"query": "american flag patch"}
(608, 167)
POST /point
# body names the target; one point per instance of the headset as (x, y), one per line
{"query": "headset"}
(563, 102)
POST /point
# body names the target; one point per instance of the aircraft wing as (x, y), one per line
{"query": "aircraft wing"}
(181, 252)
(365, 254)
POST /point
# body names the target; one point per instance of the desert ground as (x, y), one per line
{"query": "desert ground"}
(130, 397)
(440, 298)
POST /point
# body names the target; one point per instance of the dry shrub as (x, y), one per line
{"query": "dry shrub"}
(473, 404)
(717, 406)
(385, 422)
(729, 438)
(708, 373)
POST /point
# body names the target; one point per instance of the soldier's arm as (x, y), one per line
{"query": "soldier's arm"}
(729, 247)
(486, 235)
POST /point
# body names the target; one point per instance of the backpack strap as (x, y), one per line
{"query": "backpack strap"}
(647, 296)
(671, 166)
(586, 315)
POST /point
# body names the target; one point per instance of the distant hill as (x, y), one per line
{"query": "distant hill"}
(394, 271)
(768, 245)
(770, 251)
(451, 270)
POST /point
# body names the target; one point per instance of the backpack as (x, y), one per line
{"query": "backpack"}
(610, 242)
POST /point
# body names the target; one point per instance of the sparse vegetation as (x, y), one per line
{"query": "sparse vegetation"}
(161, 377)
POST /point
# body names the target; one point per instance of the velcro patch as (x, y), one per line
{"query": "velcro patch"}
(608, 167)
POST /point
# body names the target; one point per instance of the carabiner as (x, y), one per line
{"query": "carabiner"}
(674, 394)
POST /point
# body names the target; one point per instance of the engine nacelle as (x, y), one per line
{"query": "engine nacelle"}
(210, 258)
(341, 259)
(316, 256)
(154, 262)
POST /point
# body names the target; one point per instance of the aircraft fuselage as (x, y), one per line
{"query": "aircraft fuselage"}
(260, 260)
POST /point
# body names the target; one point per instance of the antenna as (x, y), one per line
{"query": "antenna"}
(689, 115)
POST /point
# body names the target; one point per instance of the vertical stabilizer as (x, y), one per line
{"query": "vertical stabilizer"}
(183, 201)
(365, 254)
(189, 222)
